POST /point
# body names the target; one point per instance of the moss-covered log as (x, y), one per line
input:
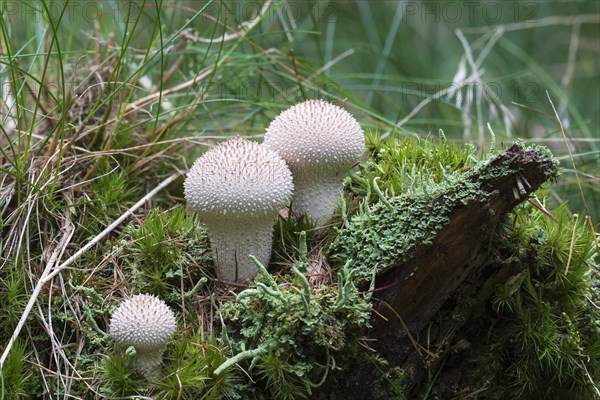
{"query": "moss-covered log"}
(423, 302)
(417, 287)
(448, 270)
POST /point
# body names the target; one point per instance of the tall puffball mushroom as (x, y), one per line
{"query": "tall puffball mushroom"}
(238, 188)
(146, 323)
(320, 142)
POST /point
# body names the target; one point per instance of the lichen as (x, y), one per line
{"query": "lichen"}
(384, 236)
(293, 332)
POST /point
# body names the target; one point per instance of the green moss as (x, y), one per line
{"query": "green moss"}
(549, 346)
(93, 308)
(16, 379)
(159, 249)
(189, 372)
(13, 297)
(410, 165)
(118, 377)
(110, 194)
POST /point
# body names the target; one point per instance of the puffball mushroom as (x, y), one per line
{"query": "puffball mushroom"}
(237, 189)
(320, 142)
(146, 323)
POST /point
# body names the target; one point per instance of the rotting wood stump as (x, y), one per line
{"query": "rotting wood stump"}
(426, 304)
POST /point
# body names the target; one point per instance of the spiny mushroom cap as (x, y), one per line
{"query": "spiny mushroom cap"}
(238, 178)
(144, 322)
(316, 134)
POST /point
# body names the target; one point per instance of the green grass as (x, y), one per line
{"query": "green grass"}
(103, 101)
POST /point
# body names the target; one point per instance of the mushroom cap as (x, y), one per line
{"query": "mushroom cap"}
(316, 134)
(238, 178)
(144, 322)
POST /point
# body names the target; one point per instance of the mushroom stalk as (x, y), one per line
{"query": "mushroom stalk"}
(233, 241)
(148, 363)
(316, 195)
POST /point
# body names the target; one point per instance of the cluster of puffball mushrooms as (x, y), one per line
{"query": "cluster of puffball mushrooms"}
(238, 188)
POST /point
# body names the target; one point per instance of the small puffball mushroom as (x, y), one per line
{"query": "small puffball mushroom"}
(320, 142)
(146, 323)
(238, 188)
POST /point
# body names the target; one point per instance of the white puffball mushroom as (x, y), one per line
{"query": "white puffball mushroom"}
(146, 323)
(237, 189)
(320, 142)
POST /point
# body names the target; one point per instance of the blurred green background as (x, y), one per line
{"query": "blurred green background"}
(402, 66)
